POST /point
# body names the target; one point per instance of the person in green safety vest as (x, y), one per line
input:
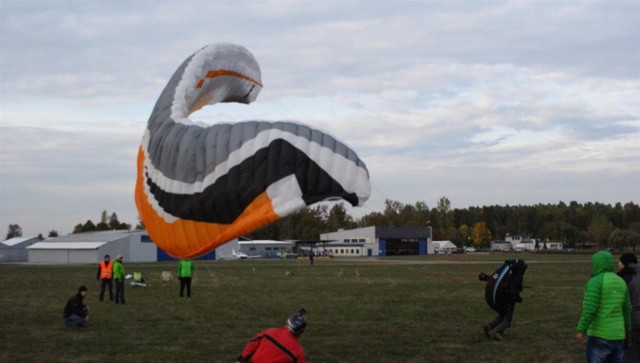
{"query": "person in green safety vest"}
(185, 272)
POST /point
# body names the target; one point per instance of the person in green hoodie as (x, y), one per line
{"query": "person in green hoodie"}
(118, 277)
(185, 273)
(606, 312)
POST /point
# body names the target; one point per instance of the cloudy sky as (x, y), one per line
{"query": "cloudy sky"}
(484, 102)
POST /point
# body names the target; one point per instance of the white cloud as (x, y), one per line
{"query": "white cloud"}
(482, 102)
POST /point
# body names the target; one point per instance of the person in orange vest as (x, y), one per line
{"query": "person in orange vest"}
(277, 345)
(105, 277)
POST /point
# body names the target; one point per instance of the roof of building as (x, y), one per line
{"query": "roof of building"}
(444, 243)
(17, 240)
(403, 232)
(264, 242)
(99, 236)
(66, 245)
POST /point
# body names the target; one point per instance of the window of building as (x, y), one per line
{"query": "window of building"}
(252, 248)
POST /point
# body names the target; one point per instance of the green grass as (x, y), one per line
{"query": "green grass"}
(393, 310)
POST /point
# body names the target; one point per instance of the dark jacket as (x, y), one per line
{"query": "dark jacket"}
(631, 275)
(75, 305)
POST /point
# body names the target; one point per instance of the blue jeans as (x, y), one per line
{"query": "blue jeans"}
(604, 351)
(75, 320)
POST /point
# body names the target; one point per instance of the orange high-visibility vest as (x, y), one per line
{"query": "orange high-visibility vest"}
(106, 270)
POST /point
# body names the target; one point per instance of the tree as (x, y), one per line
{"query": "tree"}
(600, 228)
(53, 233)
(465, 235)
(338, 218)
(77, 228)
(480, 234)
(14, 231)
(140, 224)
(621, 238)
(113, 221)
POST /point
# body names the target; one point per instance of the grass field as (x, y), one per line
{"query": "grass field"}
(414, 309)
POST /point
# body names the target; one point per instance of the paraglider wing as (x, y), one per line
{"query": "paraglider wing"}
(504, 286)
(200, 186)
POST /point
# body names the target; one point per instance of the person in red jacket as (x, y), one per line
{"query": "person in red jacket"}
(277, 345)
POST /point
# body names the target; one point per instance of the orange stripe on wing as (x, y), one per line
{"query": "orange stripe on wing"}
(224, 72)
(189, 239)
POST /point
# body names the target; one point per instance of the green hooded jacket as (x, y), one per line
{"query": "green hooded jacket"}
(185, 268)
(118, 270)
(606, 307)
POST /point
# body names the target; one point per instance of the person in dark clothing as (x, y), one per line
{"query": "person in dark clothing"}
(277, 345)
(105, 277)
(75, 312)
(502, 293)
(629, 271)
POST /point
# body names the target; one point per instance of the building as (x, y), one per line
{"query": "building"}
(15, 249)
(235, 249)
(500, 246)
(376, 241)
(90, 247)
(444, 247)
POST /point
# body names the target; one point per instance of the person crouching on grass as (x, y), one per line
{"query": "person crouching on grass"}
(277, 345)
(76, 313)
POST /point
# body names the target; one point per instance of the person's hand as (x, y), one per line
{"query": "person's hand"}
(580, 337)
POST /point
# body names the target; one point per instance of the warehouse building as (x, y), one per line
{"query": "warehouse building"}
(376, 241)
(90, 247)
(15, 249)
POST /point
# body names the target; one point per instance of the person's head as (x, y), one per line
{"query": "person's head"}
(83, 291)
(297, 323)
(602, 262)
(627, 259)
(119, 258)
(107, 258)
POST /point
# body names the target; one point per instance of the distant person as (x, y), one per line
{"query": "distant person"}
(502, 293)
(75, 312)
(606, 312)
(629, 271)
(311, 255)
(185, 272)
(277, 345)
(105, 277)
(118, 277)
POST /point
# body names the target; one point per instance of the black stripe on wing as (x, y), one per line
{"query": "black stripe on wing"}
(225, 200)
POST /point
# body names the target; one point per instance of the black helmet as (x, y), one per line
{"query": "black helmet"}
(297, 322)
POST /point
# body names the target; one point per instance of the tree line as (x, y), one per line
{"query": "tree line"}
(605, 225)
(107, 223)
(574, 224)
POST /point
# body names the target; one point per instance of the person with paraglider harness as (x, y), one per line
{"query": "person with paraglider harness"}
(277, 345)
(502, 293)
